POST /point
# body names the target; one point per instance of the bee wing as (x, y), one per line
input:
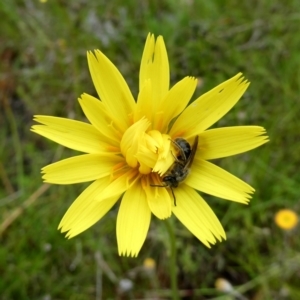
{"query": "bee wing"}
(192, 155)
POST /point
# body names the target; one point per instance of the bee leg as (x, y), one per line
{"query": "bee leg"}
(179, 149)
(176, 159)
(173, 196)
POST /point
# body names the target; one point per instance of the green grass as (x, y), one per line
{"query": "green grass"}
(43, 70)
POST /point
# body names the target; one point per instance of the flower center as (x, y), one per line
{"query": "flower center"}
(149, 151)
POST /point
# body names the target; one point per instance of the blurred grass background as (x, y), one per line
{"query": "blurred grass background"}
(43, 70)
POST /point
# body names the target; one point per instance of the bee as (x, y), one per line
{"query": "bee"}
(181, 166)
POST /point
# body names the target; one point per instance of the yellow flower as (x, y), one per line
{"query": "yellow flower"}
(128, 148)
(149, 264)
(286, 219)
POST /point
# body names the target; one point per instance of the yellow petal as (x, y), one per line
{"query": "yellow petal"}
(209, 108)
(144, 103)
(85, 210)
(146, 61)
(75, 135)
(146, 157)
(194, 213)
(155, 66)
(160, 73)
(130, 141)
(95, 112)
(227, 141)
(120, 184)
(208, 178)
(133, 221)
(163, 165)
(82, 168)
(112, 89)
(158, 199)
(175, 102)
(166, 158)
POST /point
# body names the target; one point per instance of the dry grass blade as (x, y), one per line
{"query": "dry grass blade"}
(18, 211)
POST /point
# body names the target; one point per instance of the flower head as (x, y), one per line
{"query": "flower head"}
(286, 219)
(149, 264)
(130, 147)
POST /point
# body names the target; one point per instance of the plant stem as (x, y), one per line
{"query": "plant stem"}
(173, 273)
